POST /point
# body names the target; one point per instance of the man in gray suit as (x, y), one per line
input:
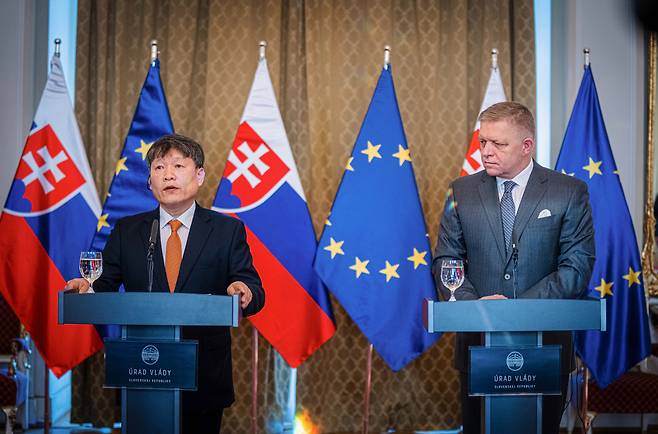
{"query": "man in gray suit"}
(523, 231)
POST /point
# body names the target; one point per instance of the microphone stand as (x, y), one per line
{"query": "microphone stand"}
(515, 259)
(149, 265)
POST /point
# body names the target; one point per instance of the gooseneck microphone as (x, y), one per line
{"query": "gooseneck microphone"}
(153, 239)
(515, 260)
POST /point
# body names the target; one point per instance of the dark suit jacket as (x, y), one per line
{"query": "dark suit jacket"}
(555, 253)
(216, 254)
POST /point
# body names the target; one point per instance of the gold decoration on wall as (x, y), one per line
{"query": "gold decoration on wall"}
(649, 248)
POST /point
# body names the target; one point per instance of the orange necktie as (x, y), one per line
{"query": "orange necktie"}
(174, 255)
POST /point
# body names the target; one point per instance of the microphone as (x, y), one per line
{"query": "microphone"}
(515, 260)
(155, 228)
(153, 238)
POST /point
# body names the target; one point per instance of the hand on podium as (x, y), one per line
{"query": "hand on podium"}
(242, 289)
(494, 297)
(78, 284)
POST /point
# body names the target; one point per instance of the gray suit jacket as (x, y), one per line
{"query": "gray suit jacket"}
(555, 253)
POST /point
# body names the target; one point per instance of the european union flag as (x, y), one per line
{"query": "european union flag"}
(374, 253)
(129, 193)
(586, 154)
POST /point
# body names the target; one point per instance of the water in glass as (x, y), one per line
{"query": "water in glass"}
(452, 275)
(91, 266)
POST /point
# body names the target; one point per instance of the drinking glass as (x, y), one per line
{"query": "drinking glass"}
(91, 266)
(452, 275)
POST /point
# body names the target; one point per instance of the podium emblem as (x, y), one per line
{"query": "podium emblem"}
(514, 361)
(150, 354)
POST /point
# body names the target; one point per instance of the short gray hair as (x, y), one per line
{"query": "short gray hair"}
(515, 113)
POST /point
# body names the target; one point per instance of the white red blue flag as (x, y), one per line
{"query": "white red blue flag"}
(49, 218)
(494, 94)
(261, 187)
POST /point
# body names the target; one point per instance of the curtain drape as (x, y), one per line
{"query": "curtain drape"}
(324, 59)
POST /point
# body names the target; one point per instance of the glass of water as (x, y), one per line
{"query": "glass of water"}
(452, 275)
(91, 266)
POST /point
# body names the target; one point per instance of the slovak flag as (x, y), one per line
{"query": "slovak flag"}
(49, 218)
(261, 187)
(494, 94)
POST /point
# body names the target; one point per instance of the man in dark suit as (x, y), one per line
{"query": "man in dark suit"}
(201, 252)
(515, 215)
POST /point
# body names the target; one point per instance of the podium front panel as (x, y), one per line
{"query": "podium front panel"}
(151, 364)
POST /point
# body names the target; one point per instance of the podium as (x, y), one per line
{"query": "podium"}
(514, 369)
(150, 362)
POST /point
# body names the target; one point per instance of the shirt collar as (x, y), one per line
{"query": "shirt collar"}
(521, 179)
(185, 218)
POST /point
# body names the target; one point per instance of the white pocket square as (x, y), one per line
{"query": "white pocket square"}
(544, 213)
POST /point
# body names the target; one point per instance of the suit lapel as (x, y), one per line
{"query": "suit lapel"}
(196, 240)
(534, 191)
(491, 205)
(159, 284)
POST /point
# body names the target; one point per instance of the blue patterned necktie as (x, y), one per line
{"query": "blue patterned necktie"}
(507, 212)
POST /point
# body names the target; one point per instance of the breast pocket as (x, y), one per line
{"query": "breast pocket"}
(545, 224)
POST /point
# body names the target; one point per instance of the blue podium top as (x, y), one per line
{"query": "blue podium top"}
(518, 315)
(149, 308)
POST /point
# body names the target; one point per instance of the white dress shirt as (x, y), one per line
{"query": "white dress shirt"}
(521, 181)
(183, 232)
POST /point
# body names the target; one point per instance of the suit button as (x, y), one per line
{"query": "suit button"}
(507, 276)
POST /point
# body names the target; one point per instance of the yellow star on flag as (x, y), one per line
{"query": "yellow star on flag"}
(336, 248)
(327, 222)
(418, 258)
(360, 267)
(605, 288)
(372, 151)
(391, 271)
(632, 276)
(564, 172)
(402, 155)
(121, 165)
(348, 166)
(143, 148)
(102, 223)
(594, 168)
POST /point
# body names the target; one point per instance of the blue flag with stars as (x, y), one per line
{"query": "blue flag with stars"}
(129, 193)
(586, 154)
(374, 253)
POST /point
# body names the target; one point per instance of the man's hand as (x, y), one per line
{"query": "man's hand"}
(242, 289)
(79, 284)
(494, 297)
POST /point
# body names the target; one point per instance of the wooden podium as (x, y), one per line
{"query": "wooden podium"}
(150, 362)
(514, 369)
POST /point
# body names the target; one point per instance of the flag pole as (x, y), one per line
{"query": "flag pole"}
(154, 51)
(366, 400)
(46, 401)
(584, 416)
(262, 46)
(46, 381)
(494, 58)
(254, 381)
(368, 387)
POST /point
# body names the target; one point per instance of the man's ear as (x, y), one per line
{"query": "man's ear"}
(200, 175)
(528, 145)
(148, 183)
